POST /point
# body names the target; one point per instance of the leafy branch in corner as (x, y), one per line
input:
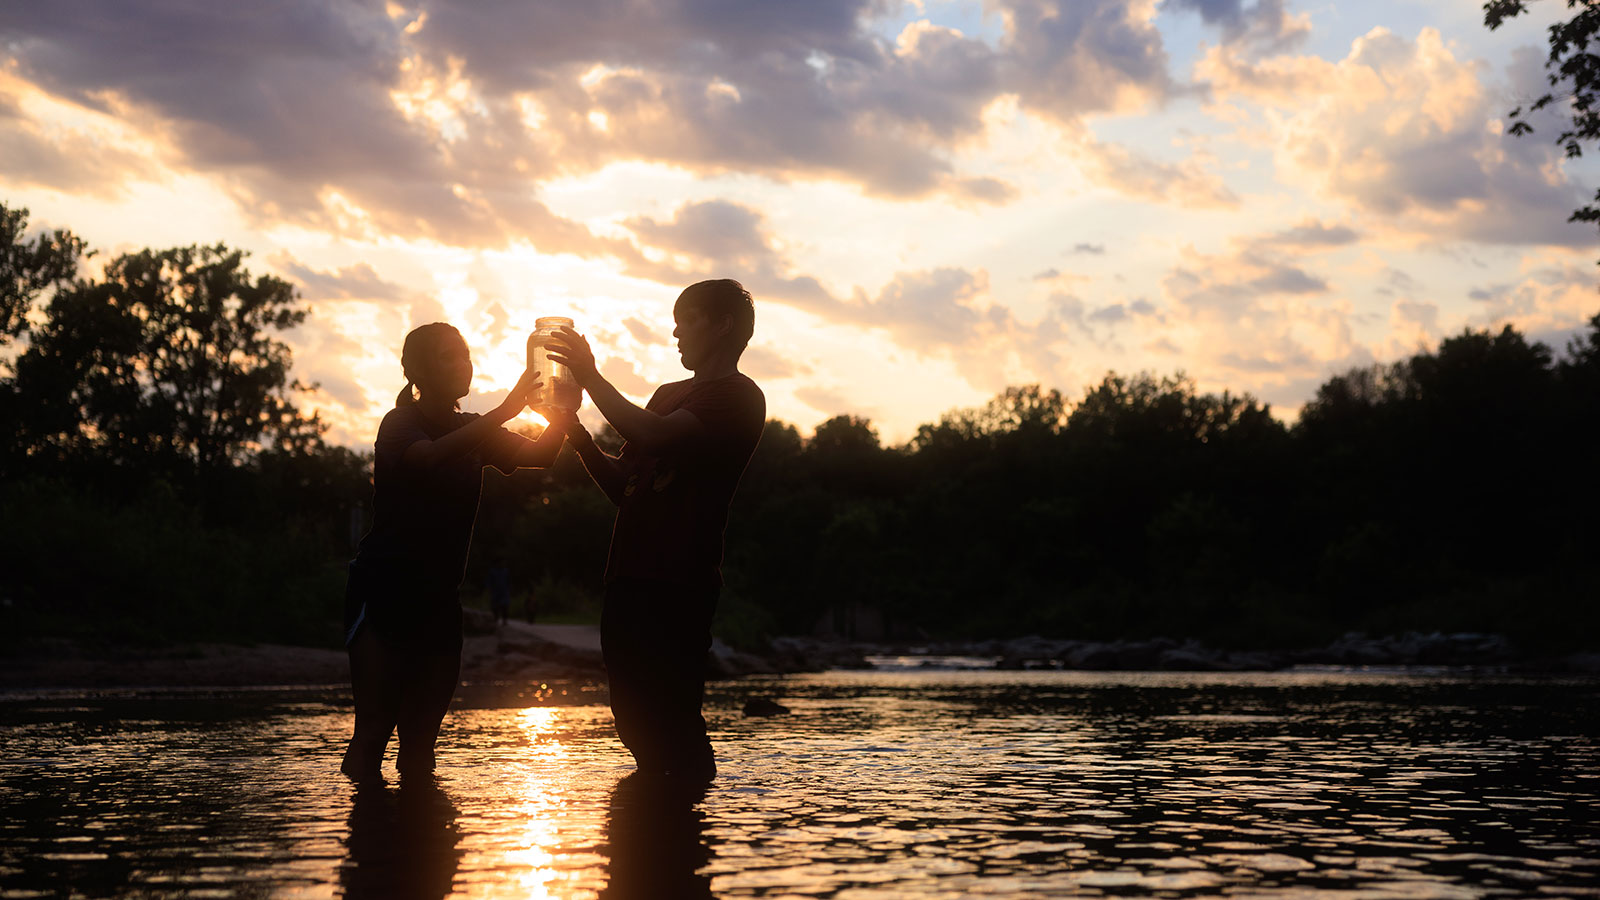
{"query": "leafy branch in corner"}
(1574, 74)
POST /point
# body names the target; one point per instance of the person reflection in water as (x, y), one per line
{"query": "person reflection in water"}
(402, 615)
(681, 462)
(655, 840)
(403, 842)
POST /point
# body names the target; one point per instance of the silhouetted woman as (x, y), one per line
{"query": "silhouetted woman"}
(402, 615)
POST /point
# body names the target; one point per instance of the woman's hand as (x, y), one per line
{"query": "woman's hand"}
(517, 400)
(571, 349)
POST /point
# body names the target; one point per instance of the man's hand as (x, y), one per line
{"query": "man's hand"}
(571, 349)
(557, 416)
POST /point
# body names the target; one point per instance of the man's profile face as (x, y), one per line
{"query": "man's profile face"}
(696, 333)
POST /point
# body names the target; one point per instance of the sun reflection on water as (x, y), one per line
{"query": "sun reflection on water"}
(527, 863)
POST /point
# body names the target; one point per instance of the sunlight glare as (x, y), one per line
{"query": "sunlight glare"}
(530, 871)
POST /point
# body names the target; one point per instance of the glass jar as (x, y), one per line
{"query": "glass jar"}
(558, 388)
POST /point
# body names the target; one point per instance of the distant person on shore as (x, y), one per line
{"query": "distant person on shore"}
(500, 591)
(402, 613)
(683, 455)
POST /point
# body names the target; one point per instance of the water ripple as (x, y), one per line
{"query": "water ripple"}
(877, 785)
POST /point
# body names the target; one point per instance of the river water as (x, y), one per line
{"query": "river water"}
(876, 785)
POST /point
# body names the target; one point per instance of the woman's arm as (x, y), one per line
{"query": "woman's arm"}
(425, 455)
(541, 452)
(604, 469)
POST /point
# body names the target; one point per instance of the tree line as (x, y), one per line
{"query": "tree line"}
(161, 483)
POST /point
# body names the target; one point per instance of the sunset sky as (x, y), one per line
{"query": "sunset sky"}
(929, 200)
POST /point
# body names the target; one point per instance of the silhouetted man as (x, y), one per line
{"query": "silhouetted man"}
(683, 455)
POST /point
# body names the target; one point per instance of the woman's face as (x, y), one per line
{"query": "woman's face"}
(450, 369)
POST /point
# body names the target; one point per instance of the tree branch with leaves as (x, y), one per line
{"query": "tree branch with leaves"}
(1574, 75)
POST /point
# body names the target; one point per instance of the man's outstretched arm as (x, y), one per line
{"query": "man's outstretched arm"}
(542, 452)
(651, 433)
(602, 467)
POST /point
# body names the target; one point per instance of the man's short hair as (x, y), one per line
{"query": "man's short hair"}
(723, 297)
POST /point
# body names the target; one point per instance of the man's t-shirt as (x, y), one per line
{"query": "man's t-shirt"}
(422, 519)
(675, 507)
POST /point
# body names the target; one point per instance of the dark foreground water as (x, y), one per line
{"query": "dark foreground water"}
(878, 785)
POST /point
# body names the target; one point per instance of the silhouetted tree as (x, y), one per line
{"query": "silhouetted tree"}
(29, 269)
(168, 363)
(1574, 74)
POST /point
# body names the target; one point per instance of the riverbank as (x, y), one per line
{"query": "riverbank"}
(514, 652)
(522, 652)
(797, 654)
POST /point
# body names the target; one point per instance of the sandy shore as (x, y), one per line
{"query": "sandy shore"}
(516, 651)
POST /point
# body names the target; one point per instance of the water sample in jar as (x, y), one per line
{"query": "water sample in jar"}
(558, 388)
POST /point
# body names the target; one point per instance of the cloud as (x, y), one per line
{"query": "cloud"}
(359, 281)
(1396, 281)
(1112, 314)
(1255, 317)
(1312, 234)
(795, 90)
(833, 401)
(1069, 317)
(301, 115)
(986, 190)
(1136, 175)
(340, 386)
(928, 308)
(766, 363)
(1417, 320)
(942, 311)
(1260, 316)
(1554, 295)
(499, 322)
(1410, 138)
(440, 120)
(1069, 58)
(323, 356)
(1228, 286)
(722, 239)
(939, 311)
(1550, 301)
(1091, 249)
(404, 307)
(643, 333)
(67, 159)
(620, 372)
(1265, 26)
(720, 231)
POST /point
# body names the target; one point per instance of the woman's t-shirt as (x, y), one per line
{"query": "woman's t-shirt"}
(422, 518)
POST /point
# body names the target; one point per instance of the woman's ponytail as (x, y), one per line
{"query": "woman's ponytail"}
(406, 398)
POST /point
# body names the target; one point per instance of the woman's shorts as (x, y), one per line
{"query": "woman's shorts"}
(400, 611)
